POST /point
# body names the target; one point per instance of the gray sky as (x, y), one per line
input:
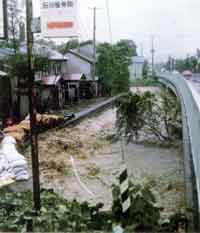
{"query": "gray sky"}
(174, 23)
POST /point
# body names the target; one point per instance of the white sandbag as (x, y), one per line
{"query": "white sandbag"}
(14, 160)
(8, 147)
(6, 171)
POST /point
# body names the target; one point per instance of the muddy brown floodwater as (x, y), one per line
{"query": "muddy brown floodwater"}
(97, 161)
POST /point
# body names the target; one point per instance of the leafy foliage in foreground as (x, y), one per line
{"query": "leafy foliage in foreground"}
(57, 214)
(144, 214)
(60, 215)
(155, 114)
(143, 211)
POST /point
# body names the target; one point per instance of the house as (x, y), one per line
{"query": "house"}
(136, 67)
(48, 81)
(77, 87)
(81, 61)
(50, 93)
(61, 80)
(80, 72)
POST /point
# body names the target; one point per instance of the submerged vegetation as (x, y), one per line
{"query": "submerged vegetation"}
(155, 115)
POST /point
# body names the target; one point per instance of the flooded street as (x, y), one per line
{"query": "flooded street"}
(97, 161)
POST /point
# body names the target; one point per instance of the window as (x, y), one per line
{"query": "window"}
(64, 4)
(57, 4)
(45, 5)
(70, 4)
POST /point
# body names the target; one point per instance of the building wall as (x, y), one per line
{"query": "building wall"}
(136, 67)
(76, 65)
(136, 71)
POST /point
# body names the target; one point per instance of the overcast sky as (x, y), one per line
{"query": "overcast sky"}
(174, 23)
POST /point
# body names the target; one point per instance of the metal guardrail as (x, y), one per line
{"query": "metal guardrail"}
(191, 138)
(89, 111)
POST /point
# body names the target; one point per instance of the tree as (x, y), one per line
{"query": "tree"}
(113, 66)
(128, 47)
(131, 109)
(189, 63)
(14, 21)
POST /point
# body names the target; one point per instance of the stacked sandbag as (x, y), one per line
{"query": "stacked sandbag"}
(46, 120)
(20, 131)
(16, 131)
(15, 162)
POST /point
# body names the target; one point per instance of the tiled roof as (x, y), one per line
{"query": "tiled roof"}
(44, 50)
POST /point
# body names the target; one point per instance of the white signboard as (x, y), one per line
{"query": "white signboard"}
(59, 18)
(2, 19)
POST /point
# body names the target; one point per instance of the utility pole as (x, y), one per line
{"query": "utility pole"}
(32, 109)
(142, 51)
(94, 42)
(171, 64)
(152, 55)
(5, 13)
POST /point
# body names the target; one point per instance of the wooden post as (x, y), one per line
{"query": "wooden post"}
(32, 109)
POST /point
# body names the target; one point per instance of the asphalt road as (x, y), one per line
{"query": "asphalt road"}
(196, 83)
